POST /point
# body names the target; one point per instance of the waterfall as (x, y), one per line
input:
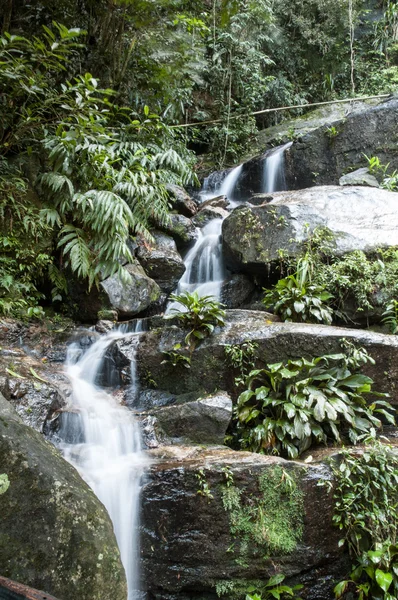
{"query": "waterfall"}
(205, 270)
(274, 170)
(104, 444)
(227, 187)
(222, 187)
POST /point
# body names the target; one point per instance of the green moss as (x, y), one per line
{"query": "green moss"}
(269, 522)
(236, 589)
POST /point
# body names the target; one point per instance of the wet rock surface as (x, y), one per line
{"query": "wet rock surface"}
(236, 290)
(207, 214)
(55, 534)
(130, 299)
(181, 201)
(361, 218)
(181, 229)
(186, 539)
(202, 421)
(162, 262)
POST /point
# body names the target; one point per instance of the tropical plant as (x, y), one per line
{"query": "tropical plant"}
(176, 358)
(390, 316)
(296, 299)
(290, 405)
(99, 170)
(241, 357)
(200, 313)
(274, 588)
(366, 512)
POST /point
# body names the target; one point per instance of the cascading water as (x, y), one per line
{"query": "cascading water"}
(274, 170)
(104, 444)
(205, 268)
(221, 187)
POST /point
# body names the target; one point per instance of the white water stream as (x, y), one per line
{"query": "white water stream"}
(109, 454)
(274, 170)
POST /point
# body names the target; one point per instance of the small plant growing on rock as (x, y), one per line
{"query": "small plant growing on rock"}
(200, 313)
(241, 357)
(390, 316)
(176, 358)
(366, 511)
(204, 488)
(290, 405)
(331, 132)
(296, 298)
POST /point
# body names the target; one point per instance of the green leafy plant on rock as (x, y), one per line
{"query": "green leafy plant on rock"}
(176, 358)
(241, 357)
(296, 298)
(274, 587)
(390, 316)
(290, 405)
(201, 314)
(366, 511)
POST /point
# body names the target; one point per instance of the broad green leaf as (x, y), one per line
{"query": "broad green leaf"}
(384, 579)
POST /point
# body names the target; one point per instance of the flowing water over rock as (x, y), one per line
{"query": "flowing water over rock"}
(274, 170)
(107, 450)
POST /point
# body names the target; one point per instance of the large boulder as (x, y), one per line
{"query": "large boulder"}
(361, 218)
(55, 534)
(210, 371)
(212, 517)
(181, 201)
(162, 262)
(132, 298)
(322, 156)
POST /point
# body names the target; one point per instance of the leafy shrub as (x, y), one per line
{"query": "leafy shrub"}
(200, 313)
(295, 298)
(241, 357)
(274, 588)
(390, 316)
(366, 511)
(290, 405)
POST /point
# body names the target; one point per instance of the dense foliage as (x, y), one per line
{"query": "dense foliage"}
(83, 167)
(200, 314)
(366, 512)
(290, 405)
(79, 174)
(296, 298)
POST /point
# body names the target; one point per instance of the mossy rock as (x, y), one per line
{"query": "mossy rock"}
(55, 534)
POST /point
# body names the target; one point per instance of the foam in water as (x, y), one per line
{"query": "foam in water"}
(108, 452)
(274, 170)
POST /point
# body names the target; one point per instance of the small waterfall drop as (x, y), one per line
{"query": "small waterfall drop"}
(104, 444)
(205, 270)
(223, 187)
(274, 170)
